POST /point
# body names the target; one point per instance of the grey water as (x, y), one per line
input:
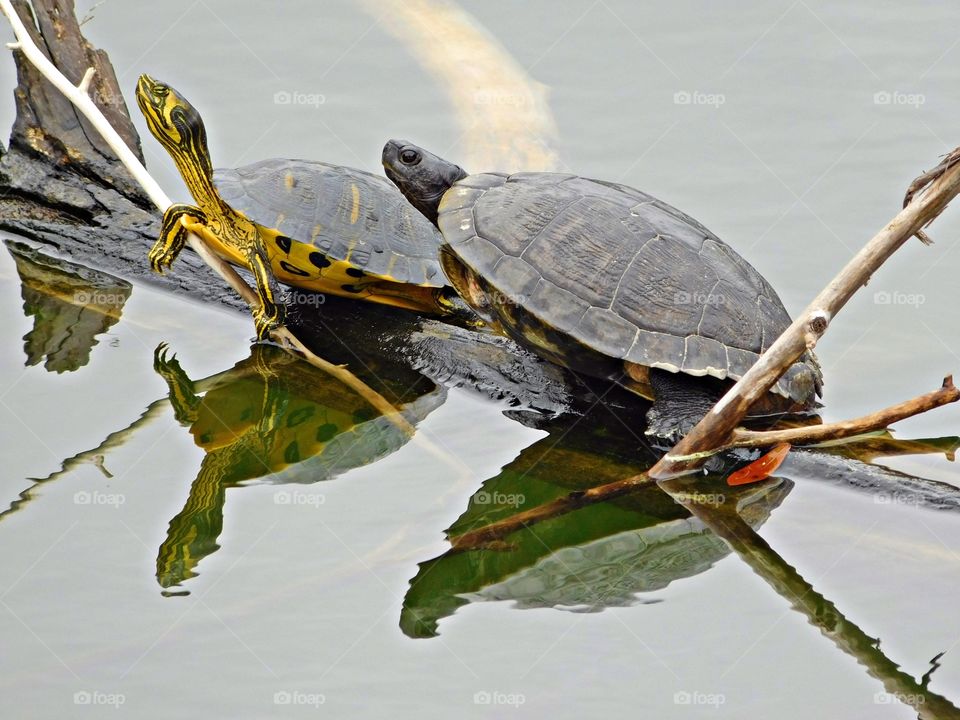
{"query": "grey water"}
(791, 129)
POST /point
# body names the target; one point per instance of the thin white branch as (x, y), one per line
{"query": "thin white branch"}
(84, 85)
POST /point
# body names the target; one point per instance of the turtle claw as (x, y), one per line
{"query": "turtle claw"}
(163, 364)
(160, 356)
(161, 257)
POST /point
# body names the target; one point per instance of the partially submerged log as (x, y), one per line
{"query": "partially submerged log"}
(60, 185)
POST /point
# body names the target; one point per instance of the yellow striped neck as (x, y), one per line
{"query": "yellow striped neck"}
(196, 170)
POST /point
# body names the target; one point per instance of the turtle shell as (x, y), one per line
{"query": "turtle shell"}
(619, 272)
(346, 214)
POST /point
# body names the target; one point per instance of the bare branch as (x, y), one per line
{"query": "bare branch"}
(879, 420)
(717, 427)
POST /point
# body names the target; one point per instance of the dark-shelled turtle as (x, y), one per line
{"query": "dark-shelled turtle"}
(606, 280)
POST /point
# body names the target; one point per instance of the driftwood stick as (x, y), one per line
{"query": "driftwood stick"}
(879, 420)
(555, 508)
(717, 427)
(78, 95)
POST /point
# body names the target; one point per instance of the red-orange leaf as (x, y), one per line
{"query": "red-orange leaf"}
(761, 468)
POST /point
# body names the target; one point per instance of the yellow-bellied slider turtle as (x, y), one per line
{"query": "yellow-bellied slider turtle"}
(311, 225)
(606, 280)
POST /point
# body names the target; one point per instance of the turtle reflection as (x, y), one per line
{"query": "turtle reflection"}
(598, 556)
(276, 419)
(70, 305)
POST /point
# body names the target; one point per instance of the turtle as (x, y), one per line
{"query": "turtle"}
(308, 224)
(607, 281)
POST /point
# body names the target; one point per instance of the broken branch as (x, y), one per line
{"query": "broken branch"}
(717, 427)
(879, 420)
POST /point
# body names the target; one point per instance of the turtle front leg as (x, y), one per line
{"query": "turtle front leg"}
(270, 314)
(183, 397)
(173, 235)
(679, 403)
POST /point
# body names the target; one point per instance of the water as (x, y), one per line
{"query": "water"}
(784, 149)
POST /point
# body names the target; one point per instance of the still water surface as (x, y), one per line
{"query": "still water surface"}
(247, 551)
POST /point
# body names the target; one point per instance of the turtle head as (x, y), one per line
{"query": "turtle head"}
(175, 123)
(422, 177)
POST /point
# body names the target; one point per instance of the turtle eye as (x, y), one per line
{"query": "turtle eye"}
(409, 157)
